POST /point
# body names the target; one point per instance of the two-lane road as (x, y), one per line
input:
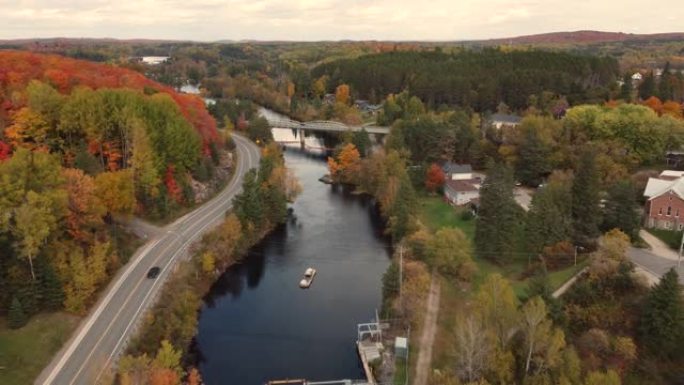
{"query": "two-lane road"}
(102, 335)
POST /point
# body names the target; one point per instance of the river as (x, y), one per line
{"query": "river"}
(258, 325)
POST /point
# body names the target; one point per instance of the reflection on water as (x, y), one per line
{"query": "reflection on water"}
(257, 324)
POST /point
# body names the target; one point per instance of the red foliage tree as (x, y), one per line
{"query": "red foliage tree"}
(5, 151)
(434, 178)
(171, 185)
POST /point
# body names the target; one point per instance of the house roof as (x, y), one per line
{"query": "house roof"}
(657, 187)
(456, 168)
(505, 118)
(671, 174)
(463, 185)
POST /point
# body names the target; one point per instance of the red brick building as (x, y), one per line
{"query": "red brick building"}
(665, 205)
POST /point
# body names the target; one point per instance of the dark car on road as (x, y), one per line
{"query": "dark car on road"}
(153, 272)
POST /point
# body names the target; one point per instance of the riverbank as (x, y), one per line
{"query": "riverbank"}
(257, 210)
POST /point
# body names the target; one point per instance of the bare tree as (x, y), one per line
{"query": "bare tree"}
(472, 348)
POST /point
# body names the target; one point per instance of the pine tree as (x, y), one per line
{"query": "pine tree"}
(548, 221)
(662, 320)
(497, 220)
(586, 213)
(626, 88)
(621, 209)
(533, 159)
(647, 88)
(16, 317)
(665, 84)
(53, 292)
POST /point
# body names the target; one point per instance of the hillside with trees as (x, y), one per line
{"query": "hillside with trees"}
(80, 144)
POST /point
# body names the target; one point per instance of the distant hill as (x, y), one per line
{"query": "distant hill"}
(583, 37)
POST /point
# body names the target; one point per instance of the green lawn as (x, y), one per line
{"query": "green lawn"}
(671, 238)
(25, 352)
(435, 214)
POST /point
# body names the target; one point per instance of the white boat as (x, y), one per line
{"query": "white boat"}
(308, 278)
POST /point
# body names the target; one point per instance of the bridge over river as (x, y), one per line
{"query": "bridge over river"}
(280, 121)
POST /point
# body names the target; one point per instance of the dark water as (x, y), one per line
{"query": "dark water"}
(258, 325)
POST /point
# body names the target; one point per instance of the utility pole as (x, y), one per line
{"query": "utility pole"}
(681, 246)
(401, 272)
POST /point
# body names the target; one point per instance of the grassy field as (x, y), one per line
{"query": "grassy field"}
(25, 352)
(435, 214)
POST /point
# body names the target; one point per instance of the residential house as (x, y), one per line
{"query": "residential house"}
(460, 192)
(665, 201)
(500, 121)
(455, 171)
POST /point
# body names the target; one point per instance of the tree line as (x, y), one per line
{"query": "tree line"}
(475, 79)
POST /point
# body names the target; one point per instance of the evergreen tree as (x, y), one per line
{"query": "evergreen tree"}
(665, 84)
(498, 219)
(362, 141)
(662, 320)
(647, 88)
(16, 317)
(533, 159)
(53, 292)
(621, 209)
(626, 88)
(549, 219)
(586, 213)
(247, 204)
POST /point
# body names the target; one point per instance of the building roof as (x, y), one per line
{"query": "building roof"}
(456, 168)
(463, 185)
(671, 174)
(657, 187)
(505, 118)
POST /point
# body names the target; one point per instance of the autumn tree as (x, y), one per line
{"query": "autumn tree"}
(32, 200)
(342, 94)
(450, 251)
(116, 191)
(434, 178)
(85, 208)
(346, 165)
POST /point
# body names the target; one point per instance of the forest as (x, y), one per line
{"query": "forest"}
(476, 79)
(84, 143)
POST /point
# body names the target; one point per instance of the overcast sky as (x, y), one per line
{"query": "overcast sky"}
(209, 20)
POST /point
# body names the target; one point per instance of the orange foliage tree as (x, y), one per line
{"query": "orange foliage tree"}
(434, 178)
(655, 104)
(673, 109)
(342, 94)
(347, 166)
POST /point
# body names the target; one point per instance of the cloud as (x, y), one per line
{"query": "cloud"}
(328, 19)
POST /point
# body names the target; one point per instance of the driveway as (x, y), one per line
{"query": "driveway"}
(653, 264)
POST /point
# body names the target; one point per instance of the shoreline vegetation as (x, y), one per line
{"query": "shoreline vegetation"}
(161, 348)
